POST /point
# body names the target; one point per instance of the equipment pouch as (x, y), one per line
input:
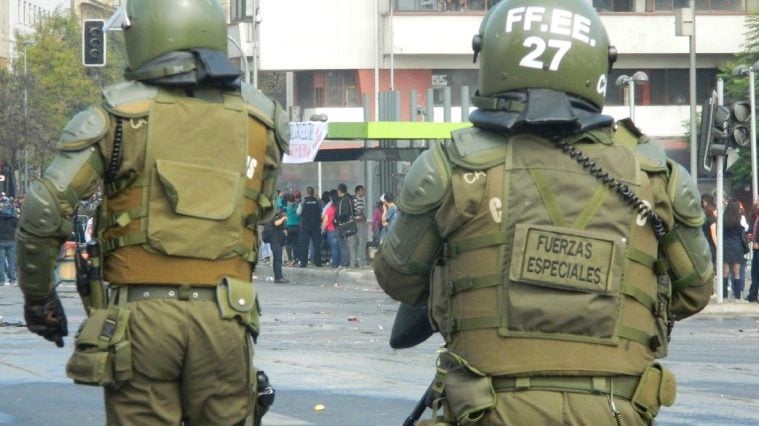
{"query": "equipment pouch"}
(657, 387)
(468, 392)
(440, 299)
(238, 299)
(103, 351)
(195, 199)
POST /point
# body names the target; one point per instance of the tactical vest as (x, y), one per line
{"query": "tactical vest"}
(183, 207)
(550, 271)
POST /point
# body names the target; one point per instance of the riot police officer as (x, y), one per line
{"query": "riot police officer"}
(188, 161)
(562, 246)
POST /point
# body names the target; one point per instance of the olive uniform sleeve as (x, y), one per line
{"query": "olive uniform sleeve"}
(694, 277)
(685, 247)
(408, 252)
(274, 117)
(45, 220)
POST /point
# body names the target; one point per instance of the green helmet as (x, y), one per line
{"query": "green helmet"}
(156, 27)
(548, 44)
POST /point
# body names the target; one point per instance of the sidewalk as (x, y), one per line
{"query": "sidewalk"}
(362, 277)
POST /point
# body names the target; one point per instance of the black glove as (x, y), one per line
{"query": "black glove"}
(45, 316)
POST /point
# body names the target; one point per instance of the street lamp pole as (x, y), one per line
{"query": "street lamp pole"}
(27, 43)
(631, 88)
(26, 48)
(629, 81)
(753, 134)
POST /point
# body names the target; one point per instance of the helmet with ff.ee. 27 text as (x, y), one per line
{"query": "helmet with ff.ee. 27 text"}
(548, 44)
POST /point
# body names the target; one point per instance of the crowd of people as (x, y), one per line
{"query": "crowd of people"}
(8, 224)
(740, 242)
(334, 230)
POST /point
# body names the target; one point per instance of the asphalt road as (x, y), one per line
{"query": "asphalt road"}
(324, 344)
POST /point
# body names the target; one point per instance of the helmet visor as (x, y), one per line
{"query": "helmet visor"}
(119, 20)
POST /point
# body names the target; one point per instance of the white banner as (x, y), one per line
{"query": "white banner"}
(305, 139)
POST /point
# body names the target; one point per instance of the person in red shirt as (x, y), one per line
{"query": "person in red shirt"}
(328, 227)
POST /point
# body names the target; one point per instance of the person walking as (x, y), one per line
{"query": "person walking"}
(8, 225)
(554, 247)
(185, 155)
(310, 229)
(358, 244)
(330, 231)
(377, 219)
(293, 227)
(389, 213)
(344, 215)
(734, 249)
(275, 233)
(754, 288)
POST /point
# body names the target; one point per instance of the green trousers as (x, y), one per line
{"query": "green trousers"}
(548, 408)
(189, 365)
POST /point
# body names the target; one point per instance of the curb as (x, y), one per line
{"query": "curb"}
(362, 277)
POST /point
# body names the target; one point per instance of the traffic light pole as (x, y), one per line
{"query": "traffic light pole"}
(720, 164)
(719, 270)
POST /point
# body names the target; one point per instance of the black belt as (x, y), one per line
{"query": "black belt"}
(621, 386)
(181, 292)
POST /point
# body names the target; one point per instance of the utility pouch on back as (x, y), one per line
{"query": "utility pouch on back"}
(657, 387)
(103, 351)
(469, 393)
(440, 299)
(195, 199)
(238, 299)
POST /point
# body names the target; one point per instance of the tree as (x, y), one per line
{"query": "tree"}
(48, 67)
(736, 88)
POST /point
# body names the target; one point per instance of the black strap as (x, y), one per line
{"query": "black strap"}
(115, 163)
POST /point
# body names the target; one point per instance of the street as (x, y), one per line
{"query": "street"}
(324, 346)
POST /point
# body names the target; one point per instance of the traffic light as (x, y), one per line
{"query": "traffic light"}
(739, 133)
(713, 133)
(93, 43)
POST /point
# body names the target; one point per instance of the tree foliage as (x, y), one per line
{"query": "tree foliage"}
(48, 69)
(737, 88)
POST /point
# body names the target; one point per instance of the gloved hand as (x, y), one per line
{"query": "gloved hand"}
(45, 316)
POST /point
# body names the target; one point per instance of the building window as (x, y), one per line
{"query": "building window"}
(444, 5)
(455, 79)
(240, 10)
(702, 5)
(614, 5)
(664, 87)
(336, 88)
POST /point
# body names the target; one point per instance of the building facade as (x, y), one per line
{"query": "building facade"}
(21, 16)
(340, 50)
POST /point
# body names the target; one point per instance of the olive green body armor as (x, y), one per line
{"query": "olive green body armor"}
(537, 266)
(158, 180)
(178, 180)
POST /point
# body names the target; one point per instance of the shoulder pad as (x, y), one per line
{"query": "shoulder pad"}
(86, 128)
(426, 182)
(476, 149)
(651, 156)
(625, 133)
(683, 193)
(269, 112)
(259, 105)
(129, 98)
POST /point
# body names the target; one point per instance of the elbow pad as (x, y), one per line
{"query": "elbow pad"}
(426, 182)
(407, 255)
(689, 257)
